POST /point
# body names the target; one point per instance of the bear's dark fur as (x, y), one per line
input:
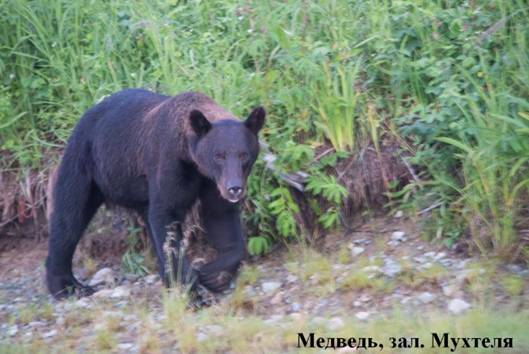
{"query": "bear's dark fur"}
(157, 155)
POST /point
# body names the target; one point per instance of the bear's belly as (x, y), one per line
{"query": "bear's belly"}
(131, 192)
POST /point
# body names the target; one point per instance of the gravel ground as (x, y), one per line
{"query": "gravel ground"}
(382, 267)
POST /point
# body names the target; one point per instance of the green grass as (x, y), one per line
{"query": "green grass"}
(449, 80)
(254, 334)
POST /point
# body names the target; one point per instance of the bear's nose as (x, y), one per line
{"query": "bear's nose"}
(235, 192)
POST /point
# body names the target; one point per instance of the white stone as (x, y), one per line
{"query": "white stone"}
(426, 297)
(215, 330)
(82, 303)
(362, 315)
(355, 251)
(391, 268)
(450, 290)
(399, 214)
(335, 323)
(120, 291)
(151, 278)
(295, 307)
(291, 278)
(201, 336)
(103, 293)
(49, 334)
(37, 324)
(399, 236)
(270, 286)
(457, 306)
(12, 331)
(125, 346)
(277, 299)
(103, 276)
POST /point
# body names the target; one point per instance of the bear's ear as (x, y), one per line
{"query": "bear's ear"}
(255, 120)
(199, 123)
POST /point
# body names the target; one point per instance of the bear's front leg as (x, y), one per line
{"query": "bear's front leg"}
(164, 221)
(222, 223)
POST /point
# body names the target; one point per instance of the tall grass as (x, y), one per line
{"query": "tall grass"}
(451, 77)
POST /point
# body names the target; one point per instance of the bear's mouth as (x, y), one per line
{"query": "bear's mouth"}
(231, 198)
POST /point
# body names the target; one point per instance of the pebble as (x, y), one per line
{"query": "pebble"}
(399, 236)
(103, 276)
(391, 268)
(37, 324)
(270, 286)
(450, 290)
(151, 278)
(12, 331)
(457, 306)
(362, 315)
(335, 323)
(125, 346)
(201, 336)
(355, 251)
(277, 299)
(426, 297)
(291, 278)
(120, 291)
(49, 334)
(295, 307)
(83, 303)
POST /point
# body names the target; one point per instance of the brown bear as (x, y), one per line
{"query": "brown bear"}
(156, 155)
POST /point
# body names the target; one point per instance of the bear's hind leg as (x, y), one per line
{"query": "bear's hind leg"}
(73, 210)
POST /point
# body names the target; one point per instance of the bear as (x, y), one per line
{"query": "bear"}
(156, 155)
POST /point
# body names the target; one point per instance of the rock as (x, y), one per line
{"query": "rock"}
(151, 278)
(296, 316)
(104, 293)
(317, 320)
(355, 251)
(335, 323)
(450, 290)
(291, 278)
(391, 268)
(295, 307)
(201, 336)
(37, 324)
(430, 254)
(362, 315)
(270, 286)
(13, 330)
(274, 320)
(60, 321)
(399, 236)
(125, 346)
(277, 299)
(103, 276)
(426, 297)
(457, 306)
(372, 269)
(399, 214)
(120, 291)
(249, 291)
(439, 256)
(49, 334)
(357, 303)
(82, 303)
(214, 330)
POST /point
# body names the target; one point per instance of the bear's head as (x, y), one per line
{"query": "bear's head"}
(225, 150)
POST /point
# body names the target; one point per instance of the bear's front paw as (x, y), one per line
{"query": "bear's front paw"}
(216, 282)
(64, 286)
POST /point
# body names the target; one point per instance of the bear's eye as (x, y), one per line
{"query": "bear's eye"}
(243, 156)
(220, 156)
